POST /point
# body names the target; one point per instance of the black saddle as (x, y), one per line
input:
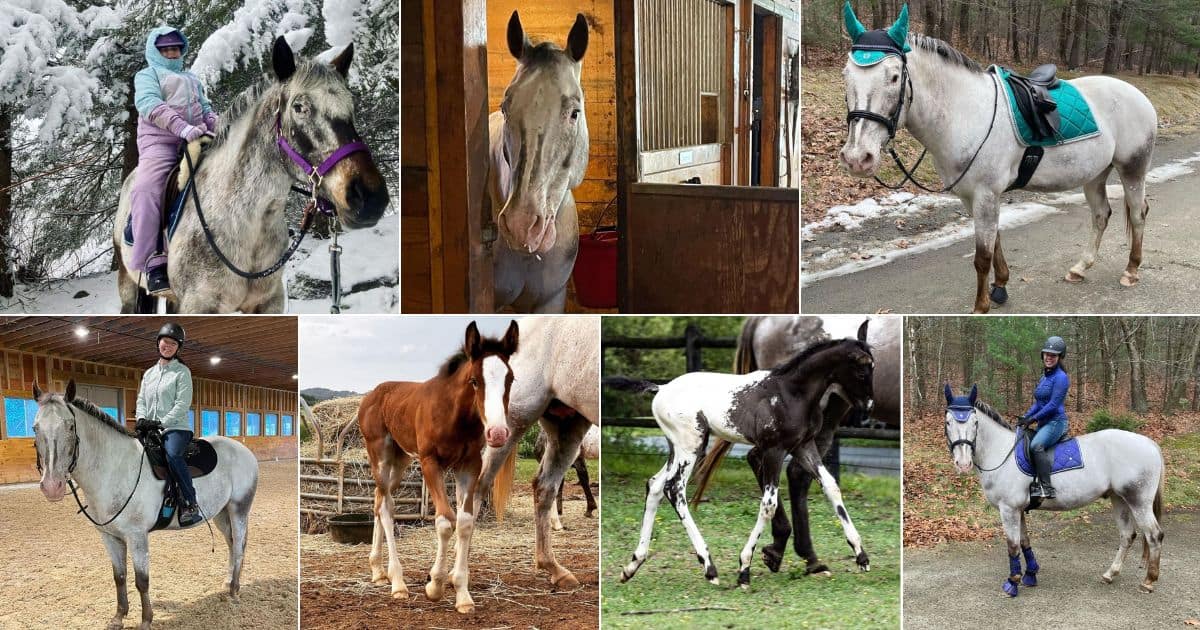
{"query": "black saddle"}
(200, 456)
(1034, 102)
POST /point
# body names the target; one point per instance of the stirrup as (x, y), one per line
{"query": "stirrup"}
(1035, 490)
(1047, 491)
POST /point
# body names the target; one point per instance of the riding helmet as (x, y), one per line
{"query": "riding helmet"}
(174, 331)
(1055, 345)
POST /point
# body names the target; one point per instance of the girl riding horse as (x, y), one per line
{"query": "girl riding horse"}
(1049, 414)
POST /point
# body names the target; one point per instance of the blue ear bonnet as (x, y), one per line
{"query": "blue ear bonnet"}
(960, 408)
(872, 47)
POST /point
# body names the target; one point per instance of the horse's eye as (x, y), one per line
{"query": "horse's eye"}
(575, 114)
(474, 383)
(895, 78)
(298, 108)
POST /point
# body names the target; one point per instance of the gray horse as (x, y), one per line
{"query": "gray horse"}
(538, 153)
(944, 104)
(245, 182)
(77, 441)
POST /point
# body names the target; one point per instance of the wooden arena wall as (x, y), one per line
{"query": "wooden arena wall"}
(18, 371)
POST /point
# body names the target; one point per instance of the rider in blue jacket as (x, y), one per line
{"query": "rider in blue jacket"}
(1049, 413)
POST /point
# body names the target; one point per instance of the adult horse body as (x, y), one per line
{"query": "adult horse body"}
(780, 412)
(558, 365)
(243, 186)
(441, 423)
(1123, 466)
(77, 442)
(589, 448)
(538, 152)
(936, 92)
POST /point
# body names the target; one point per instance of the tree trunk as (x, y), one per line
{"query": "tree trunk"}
(129, 151)
(6, 278)
(1137, 375)
(1183, 373)
(1013, 39)
(1107, 362)
(1116, 13)
(1077, 33)
(964, 34)
(1065, 34)
(1035, 52)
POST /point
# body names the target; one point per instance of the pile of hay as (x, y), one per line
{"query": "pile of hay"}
(331, 416)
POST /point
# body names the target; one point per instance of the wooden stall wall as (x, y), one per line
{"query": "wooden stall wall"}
(712, 249)
(551, 21)
(18, 370)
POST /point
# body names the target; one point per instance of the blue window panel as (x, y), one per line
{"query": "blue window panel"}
(112, 411)
(233, 423)
(287, 425)
(253, 424)
(19, 414)
(192, 420)
(210, 422)
(272, 425)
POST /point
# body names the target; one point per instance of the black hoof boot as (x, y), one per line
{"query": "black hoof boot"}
(999, 294)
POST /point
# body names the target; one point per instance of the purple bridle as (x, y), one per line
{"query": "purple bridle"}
(316, 173)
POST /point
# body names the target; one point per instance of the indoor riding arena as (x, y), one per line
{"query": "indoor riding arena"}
(58, 574)
(336, 589)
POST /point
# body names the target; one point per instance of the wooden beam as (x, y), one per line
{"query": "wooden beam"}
(625, 21)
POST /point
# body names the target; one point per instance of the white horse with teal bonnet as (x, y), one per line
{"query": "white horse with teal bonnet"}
(965, 117)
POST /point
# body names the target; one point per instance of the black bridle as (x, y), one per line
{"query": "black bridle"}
(962, 414)
(892, 121)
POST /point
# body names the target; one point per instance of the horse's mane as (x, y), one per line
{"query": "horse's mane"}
(308, 73)
(459, 359)
(947, 52)
(990, 412)
(807, 353)
(91, 409)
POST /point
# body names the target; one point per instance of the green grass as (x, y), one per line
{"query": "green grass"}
(671, 578)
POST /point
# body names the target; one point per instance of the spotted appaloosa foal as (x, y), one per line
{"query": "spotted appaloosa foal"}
(440, 423)
(779, 411)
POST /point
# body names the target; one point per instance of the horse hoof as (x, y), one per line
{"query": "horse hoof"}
(715, 581)
(999, 295)
(817, 568)
(433, 592)
(381, 580)
(1106, 579)
(116, 624)
(1146, 588)
(1074, 278)
(567, 581)
(466, 608)
(1129, 279)
(772, 559)
(145, 625)
(558, 527)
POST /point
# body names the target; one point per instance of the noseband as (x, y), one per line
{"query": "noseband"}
(315, 173)
(961, 414)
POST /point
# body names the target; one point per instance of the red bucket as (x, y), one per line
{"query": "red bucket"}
(596, 269)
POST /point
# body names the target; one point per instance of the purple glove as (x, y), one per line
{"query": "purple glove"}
(191, 132)
(210, 121)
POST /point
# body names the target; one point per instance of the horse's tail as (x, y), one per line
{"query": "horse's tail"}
(634, 385)
(502, 484)
(1157, 507)
(743, 363)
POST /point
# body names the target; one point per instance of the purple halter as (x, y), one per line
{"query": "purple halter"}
(316, 173)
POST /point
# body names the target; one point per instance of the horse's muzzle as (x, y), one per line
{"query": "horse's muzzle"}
(860, 163)
(529, 232)
(496, 436)
(54, 491)
(366, 203)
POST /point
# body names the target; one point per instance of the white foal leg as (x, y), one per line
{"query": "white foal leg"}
(116, 553)
(676, 492)
(379, 573)
(139, 548)
(1127, 534)
(394, 570)
(766, 512)
(654, 495)
(1010, 517)
(464, 526)
(811, 460)
(1096, 193)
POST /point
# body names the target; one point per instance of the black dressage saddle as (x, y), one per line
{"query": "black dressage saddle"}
(200, 456)
(1037, 107)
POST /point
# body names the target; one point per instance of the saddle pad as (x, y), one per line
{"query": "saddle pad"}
(1077, 121)
(200, 456)
(1066, 457)
(174, 210)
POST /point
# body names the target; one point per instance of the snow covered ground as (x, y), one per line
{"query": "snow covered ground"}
(370, 279)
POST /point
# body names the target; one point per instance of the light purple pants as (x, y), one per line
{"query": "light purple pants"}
(156, 157)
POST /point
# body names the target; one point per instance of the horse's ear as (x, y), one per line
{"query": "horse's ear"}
(974, 393)
(283, 60)
(70, 393)
(854, 28)
(473, 345)
(899, 31)
(517, 42)
(862, 331)
(341, 63)
(949, 394)
(510, 338)
(37, 391)
(577, 40)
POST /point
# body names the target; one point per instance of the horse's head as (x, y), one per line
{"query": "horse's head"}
(962, 427)
(545, 135)
(878, 91)
(491, 378)
(854, 371)
(56, 439)
(316, 118)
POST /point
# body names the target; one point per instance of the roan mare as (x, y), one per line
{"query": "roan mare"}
(440, 423)
(244, 182)
(77, 443)
(1125, 467)
(944, 98)
(766, 342)
(538, 153)
(779, 411)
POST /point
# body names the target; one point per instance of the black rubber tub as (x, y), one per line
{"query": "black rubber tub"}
(351, 528)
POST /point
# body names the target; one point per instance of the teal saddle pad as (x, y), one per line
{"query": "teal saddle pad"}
(1077, 121)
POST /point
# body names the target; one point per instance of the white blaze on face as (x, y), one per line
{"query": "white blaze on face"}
(495, 373)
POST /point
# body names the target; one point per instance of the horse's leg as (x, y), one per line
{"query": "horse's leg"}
(444, 522)
(1136, 209)
(654, 495)
(999, 293)
(1152, 536)
(987, 228)
(1096, 193)
(464, 527)
(799, 485)
(139, 548)
(556, 514)
(1010, 518)
(781, 529)
(582, 473)
(493, 458)
(1128, 534)
(127, 288)
(389, 473)
(237, 511)
(810, 458)
(1031, 564)
(553, 304)
(562, 446)
(772, 461)
(116, 553)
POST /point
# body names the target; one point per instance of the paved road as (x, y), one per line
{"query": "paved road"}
(1039, 254)
(869, 460)
(958, 585)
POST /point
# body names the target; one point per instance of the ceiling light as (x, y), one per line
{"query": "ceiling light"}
(81, 332)
(295, 377)
(214, 360)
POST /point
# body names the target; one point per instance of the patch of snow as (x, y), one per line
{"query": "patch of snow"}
(1172, 170)
(852, 217)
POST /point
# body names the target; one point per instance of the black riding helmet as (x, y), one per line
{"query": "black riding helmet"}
(1055, 345)
(174, 331)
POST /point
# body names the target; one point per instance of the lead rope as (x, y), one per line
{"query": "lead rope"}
(1010, 452)
(335, 271)
(83, 508)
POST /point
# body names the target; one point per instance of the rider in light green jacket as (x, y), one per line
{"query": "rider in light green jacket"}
(165, 396)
